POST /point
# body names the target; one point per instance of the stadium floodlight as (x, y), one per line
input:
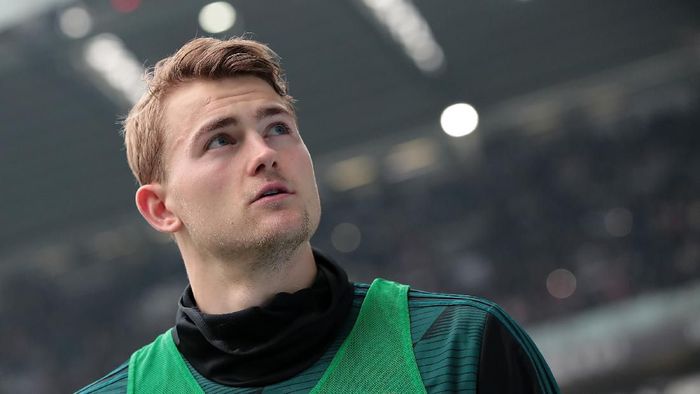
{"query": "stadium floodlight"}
(459, 119)
(407, 26)
(75, 22)
(108, 56)
(217, 17)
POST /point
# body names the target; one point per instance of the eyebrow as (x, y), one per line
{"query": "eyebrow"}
(226, 121)
(265, 112)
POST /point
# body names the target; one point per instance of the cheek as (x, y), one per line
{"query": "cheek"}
(304, 167)
(310, 182)
(200, 187)
(303, 160)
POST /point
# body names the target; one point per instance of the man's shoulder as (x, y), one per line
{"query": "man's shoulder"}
(427, 299)
(465, 343)
(114, 382)
(434, 313)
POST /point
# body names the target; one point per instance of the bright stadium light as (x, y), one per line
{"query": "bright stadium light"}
(458, 120)
(108, 56)
(75, 22)
(407, 26)
(217, 17)
(352, 173)
(411, 158)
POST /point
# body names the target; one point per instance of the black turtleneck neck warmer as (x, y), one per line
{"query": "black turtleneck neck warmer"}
(267, 344)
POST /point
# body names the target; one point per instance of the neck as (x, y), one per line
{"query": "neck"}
(249, 280)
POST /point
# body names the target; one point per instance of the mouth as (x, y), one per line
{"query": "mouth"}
(272, 191)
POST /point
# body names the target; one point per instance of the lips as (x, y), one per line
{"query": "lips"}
(271, 189)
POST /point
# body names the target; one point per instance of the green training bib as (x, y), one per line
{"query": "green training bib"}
(376, 357)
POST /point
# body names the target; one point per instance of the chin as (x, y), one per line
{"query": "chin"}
(287, 225)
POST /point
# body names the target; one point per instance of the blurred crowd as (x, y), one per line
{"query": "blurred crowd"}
(617, 207)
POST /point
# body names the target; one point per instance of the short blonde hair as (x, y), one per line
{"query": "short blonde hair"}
(201, 58)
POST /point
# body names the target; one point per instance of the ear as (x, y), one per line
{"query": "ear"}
(150, 200)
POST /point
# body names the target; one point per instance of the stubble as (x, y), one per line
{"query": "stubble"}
(266, 249)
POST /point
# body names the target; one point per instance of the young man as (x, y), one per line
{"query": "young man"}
(215, 147)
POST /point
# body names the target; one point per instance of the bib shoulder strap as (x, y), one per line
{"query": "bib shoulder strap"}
(159, 368)
(377, 356)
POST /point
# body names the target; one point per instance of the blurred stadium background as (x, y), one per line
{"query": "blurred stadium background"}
(575, 202)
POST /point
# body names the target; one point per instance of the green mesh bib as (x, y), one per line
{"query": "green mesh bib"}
(376, 357)
(160, 368)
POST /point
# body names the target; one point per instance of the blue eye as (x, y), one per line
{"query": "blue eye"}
(218, 141)
(279, 129)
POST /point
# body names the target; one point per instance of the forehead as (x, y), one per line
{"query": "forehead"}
(196, 99)
(192, 103)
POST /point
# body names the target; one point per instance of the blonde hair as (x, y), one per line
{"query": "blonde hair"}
(201, 58)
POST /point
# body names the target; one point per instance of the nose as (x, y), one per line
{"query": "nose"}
(263, 157)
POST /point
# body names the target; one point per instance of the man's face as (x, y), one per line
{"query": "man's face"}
(228, 142)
